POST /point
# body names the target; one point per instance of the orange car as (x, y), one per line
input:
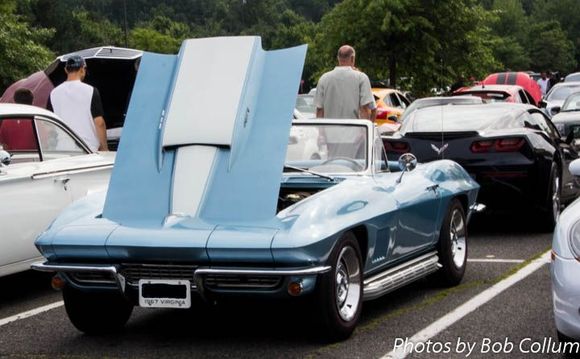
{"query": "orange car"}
(390, 102)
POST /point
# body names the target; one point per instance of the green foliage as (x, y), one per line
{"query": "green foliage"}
(22, 49)
(427, 42)
(551, 48)
(433, 41)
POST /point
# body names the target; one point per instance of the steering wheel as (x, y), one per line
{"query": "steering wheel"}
(356, 166)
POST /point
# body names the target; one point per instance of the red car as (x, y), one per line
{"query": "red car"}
(497, 93)
(516, 78)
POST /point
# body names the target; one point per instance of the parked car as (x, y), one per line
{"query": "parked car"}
(44, 168)
(497, 93)
(512, 150)
(391, 104)
(565, 269)
(555, 97)
(567, 118)
(112, 70)
(305, 104)
(230, 216)
(516, 78)
(573, 77)
(439, 100)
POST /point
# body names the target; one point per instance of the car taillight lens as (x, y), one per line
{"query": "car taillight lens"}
(382, 113)
(399, 147)
(509, 144)
(481, 146)
(498, 145)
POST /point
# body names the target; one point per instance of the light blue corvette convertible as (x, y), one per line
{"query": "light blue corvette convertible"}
(218, 198)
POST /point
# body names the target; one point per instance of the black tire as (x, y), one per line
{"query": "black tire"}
(451, 246)
(334, 325)
(562, 338)
(96, 313)
(553, 206)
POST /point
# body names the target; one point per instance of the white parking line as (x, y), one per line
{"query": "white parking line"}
(452, 317)
(494, 260)
(31, 313)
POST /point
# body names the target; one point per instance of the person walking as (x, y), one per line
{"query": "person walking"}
(79, 105)
(345, 92)
(544, 83)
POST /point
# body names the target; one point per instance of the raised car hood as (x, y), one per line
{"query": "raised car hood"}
(199, 164)
(206, 134)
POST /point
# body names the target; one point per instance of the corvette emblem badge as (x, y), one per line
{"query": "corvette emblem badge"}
(439, 150)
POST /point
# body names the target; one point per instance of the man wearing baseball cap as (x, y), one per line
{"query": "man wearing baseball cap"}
(79, 105)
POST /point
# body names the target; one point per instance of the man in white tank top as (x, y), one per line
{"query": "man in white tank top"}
(79, 105)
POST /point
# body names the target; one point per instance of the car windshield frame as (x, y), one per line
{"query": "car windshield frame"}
(569, 100)
(556, 90)
(303, 163)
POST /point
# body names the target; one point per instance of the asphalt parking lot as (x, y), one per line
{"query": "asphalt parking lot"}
(521, 314)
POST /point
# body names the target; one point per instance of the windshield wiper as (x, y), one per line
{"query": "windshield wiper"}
(300, 169)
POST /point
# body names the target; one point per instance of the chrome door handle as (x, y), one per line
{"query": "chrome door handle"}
(63, 180)
(432, 188)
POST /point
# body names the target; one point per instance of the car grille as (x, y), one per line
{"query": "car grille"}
(228, 281)
(92, 278)
(134, 272)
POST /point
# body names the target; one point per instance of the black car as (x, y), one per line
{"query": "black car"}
(513, 151)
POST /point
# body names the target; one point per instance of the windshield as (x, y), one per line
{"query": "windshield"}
(572, 103)
(305, 104)
(489, 97)
(328, 148)
(560, 93)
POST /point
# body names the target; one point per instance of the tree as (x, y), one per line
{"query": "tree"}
(431, 41)
(22, 47)
(511, 26)
(550, 48)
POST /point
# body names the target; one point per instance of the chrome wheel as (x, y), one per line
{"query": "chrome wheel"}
(457, 236)
(348, 283)
(556, 205)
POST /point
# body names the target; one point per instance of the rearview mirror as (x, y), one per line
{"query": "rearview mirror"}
(5, 158)
(575, 167)
(555, 110)
(407, 162)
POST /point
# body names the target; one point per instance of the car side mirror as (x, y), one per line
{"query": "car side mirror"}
(555, 110)
(407, 163)
(5, 158)
(392, 118)
(575, 167)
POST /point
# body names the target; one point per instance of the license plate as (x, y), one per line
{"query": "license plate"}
(155, 293)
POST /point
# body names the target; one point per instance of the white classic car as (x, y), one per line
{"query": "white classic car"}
(44, 166)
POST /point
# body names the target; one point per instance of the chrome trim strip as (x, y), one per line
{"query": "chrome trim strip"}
(394, 278)
(477, 207)
(278, 272)
(70, 171)
(45, 267)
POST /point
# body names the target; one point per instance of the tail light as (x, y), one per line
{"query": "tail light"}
(498, 145)
(398, 147)
(382, 113)
(509, 144)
